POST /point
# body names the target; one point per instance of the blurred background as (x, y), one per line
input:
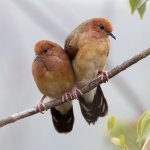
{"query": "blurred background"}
(23, 23)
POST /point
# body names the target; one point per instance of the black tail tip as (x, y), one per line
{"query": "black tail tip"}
(95, 109)
(62, 123)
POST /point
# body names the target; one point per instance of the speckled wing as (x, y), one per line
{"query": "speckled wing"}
(71, 47)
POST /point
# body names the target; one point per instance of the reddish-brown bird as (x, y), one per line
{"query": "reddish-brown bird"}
(53, 74)
(88, 47)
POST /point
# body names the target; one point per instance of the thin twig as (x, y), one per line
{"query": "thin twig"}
(85, 89)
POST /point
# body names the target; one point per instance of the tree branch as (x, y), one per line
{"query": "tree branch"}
(85, 89)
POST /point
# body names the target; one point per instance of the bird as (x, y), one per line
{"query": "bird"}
(53, 74)
(88, 48)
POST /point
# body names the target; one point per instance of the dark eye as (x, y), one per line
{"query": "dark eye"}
(101, 26)
(45, 49)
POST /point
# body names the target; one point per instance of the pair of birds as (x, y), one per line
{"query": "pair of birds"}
(61, 72)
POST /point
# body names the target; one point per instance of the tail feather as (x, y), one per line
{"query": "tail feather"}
(63, 123)
(96, 108)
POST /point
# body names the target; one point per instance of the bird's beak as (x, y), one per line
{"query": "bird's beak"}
(37, 57)
(112, 35)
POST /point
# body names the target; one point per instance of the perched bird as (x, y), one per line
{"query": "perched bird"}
(88, 47)
(54, 76)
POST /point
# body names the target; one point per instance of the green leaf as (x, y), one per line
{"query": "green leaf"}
(119, 142)
(116, 141)
(139, 122)
(143, 126)
(111, 124)
(132, 5)
(122, 141)
(139, 3)
(135, 4)
(145, 120)
(141, 10)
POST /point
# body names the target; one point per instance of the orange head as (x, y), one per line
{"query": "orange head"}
(101, 25)
(44, 47)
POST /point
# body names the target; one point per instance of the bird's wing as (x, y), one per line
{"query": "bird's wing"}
(71, 47)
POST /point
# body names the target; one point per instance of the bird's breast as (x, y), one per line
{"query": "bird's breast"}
(90, 59)
(53, 80)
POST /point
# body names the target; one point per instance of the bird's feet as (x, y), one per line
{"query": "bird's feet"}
(73, 94)
(76, 92)
(104, 75)
(41, 105)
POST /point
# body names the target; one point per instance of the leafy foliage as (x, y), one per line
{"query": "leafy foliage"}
(129, 135)
(111, 124)
(119, 141)
(139, 5)
(143, 126)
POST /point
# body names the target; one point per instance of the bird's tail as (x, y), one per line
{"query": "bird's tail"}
(63, 117)
(92, 108)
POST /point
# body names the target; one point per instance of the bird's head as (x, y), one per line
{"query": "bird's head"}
(45, 48)
(103, 26)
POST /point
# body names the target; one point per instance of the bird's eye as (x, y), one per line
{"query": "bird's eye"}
(101, 26)
(45, 49)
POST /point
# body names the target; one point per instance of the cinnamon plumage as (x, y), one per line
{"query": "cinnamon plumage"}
(53, 74)
(88, 47)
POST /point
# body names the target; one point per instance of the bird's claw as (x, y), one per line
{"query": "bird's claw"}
(104, 75)
(41, 105)
(66, 96)
(73, 94)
